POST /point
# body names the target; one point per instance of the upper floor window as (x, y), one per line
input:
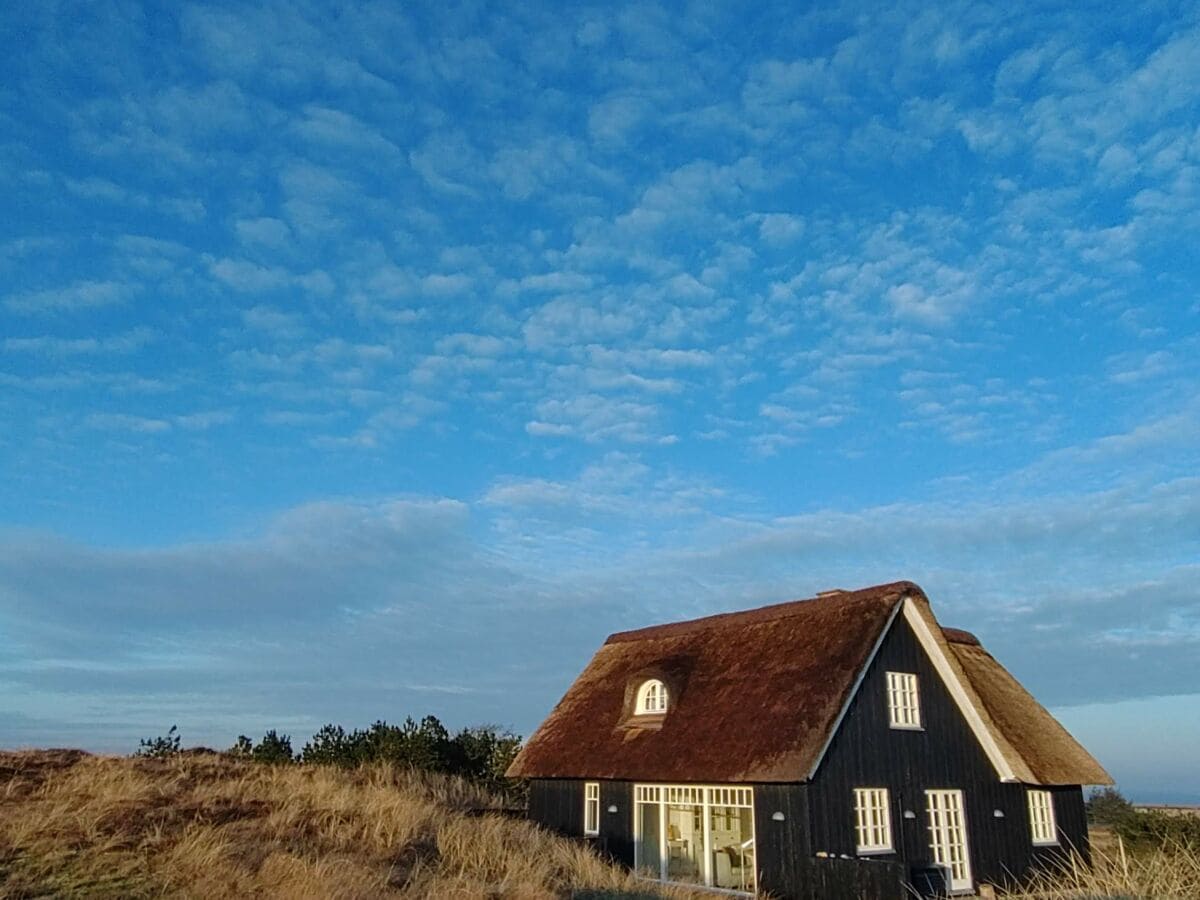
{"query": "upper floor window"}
(591, 807)
(1041, 817)
(651, 698)
(904, 703)
(872, 820)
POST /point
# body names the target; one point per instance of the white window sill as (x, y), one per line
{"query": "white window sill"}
(907, 727)
(877, 851)
(1046, 843)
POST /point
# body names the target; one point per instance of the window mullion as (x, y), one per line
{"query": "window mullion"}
(706, 832)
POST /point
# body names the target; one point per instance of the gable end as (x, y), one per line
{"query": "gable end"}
(964, 698)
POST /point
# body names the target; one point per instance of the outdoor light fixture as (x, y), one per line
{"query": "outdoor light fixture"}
(777, 816)
(613, 808)
(998, 813)
(909, 814)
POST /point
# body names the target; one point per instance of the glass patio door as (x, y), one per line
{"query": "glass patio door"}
(694, 834)
(948, 836)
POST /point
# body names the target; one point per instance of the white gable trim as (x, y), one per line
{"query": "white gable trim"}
(937, 656)
(934, 651)
(862, 673)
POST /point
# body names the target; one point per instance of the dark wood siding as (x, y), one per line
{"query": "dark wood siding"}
(783, 849)
(557, 804)
(1071, 816)
(866, 752)
(616, 828)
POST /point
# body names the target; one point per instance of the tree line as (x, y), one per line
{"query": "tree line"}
(480, 754)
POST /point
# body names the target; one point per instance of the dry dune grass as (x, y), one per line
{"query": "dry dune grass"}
(1167, 873)
(205, 825)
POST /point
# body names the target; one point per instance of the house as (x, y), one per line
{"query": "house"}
(842, 746)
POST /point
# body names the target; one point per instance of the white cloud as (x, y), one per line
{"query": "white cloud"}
(265, 231)
(126, 422)
(77, 297)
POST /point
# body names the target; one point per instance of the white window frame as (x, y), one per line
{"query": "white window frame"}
(949, 840)
(873, 821)
(652, 698)
(904, 701)
(1042, 825)
(591, 808)
(704, 796)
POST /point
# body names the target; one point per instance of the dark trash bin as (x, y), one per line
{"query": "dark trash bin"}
(931, 881)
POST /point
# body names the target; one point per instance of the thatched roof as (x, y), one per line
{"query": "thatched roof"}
(757, 695)
(1052, 755)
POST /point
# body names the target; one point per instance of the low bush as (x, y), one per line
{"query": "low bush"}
(1141, 832)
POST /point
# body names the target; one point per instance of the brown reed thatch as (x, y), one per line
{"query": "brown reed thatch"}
(755, 696)
(1048, 749)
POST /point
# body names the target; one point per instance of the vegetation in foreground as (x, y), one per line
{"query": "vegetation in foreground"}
(202, 824)
(211, 825)
(1170, 872)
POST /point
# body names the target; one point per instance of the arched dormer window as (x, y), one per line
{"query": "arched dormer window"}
(651, 698)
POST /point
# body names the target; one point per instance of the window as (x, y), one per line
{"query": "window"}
(904, 705)
(651, 698)
(872, 820)
(591, 807)
(695, 834)
(1041, 817)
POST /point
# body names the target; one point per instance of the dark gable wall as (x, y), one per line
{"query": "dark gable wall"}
(865, 752)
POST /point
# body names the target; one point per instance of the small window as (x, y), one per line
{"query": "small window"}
(872, 820)
(651, 698)
(904, 704)
(591, 807)
(1041, 817)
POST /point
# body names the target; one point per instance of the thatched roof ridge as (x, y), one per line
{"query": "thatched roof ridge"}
(958, 636)
(756, 696)
(792, 665)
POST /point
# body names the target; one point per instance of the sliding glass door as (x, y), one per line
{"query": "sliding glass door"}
(695, 835)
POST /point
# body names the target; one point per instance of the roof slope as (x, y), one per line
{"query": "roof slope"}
(1047, 749)
(754, 695)
(757, 695)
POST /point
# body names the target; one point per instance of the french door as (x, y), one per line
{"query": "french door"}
(695, 834)
(948, 836)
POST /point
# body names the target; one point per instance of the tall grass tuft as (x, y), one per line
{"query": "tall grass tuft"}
(1170, 872)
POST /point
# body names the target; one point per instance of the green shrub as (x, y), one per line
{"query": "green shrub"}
(242, 747)
(161, 746)
(274, 749)
(480, 754)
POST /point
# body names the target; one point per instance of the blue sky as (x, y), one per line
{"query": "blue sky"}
(366, 360)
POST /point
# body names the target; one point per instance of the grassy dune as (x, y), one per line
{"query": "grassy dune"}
(74, 825)
(1168, 873)
(206, 825)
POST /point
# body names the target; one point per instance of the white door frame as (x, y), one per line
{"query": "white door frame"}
(947, 826)
(692, 795)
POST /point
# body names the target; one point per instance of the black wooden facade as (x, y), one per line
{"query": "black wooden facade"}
(809, 853)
